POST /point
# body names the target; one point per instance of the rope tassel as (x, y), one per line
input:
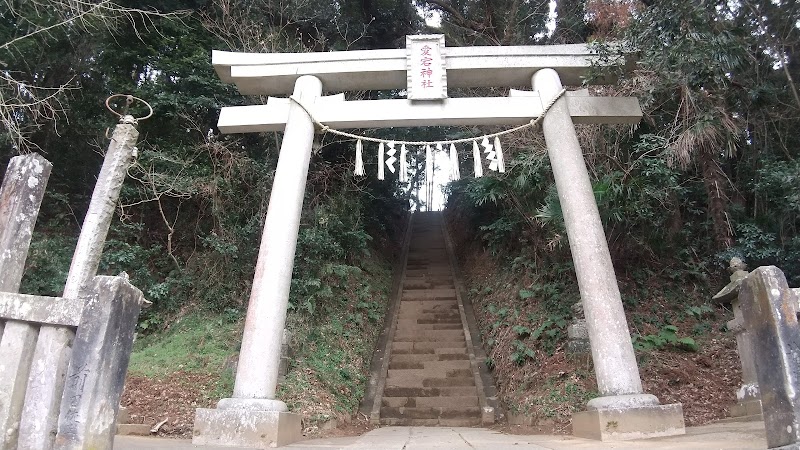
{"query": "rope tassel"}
(380, 162)
(501, 164)
(391, 152)
(403, 164)
(476, 156)
(359, 159)
(455, 174)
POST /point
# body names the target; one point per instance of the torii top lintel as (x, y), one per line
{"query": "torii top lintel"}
(485, 66)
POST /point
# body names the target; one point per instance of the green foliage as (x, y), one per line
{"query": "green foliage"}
(333, 351)
(561, 394)
(327, 249)
(47, 265)
(667, 336)
(699, 312)
(549, 332)
(521, 352)
(198, 342)
(772, 238)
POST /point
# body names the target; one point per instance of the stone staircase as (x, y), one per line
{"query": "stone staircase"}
(430, 378)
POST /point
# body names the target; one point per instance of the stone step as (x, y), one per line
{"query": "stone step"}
(441, 319)
(416, 363)
(407, 348)
(414, 382)
(426, 259)
(430, 347)
(428, 277)
(458, 391)
(431, 306)
(405, 422)
(444, 353)
(430, 402)
(430, 379)
(449, 368)
(419, 358)
(430, 413)
(440, 336)
(428, 272)
(430, 316)
(440, 311)
(412, 324)
(453, 355)
(412, 287)
(434, 266)
(428, 294)
(420, 375)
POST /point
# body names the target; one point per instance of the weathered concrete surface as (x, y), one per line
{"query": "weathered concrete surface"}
(245, 428)
(578, 333)
(101, 209)
(615, 363)
(54, 344)
(386, 69)
(40, 309)
(259, 360)
(20, 197)
(16, 353)
(769, 309)
(747, 410)
(96, 373)
(340, 114)
(738, 436)
(612, 351)
(618, 424)
(258, 369)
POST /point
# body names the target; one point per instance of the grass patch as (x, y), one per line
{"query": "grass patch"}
(199, 341)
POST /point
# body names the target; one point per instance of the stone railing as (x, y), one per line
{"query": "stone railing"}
(63, 359)
(103, 322)
(766, 319)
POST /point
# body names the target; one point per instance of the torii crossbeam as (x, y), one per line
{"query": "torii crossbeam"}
(425, 69)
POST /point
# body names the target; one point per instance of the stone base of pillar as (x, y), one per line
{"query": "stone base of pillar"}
(625, 423)
(246, 428)
(746, 409)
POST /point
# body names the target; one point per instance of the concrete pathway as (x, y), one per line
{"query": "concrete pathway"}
(723, 436)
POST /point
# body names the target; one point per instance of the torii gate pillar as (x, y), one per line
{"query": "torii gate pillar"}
(254, 417)
(623, 410)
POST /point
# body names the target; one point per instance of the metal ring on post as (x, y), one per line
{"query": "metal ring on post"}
(127, 118)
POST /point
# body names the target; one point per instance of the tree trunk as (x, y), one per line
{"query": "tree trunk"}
(571, 27)
(715, 183)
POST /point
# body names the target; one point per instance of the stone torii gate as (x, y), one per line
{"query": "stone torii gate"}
(254, 416)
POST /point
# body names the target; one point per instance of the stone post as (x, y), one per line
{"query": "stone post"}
(748, 398)
(577, 333)
(622, 401)
(254, 417)
(769, 309)
(96, 374)
(20, 198)
(54, 345)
